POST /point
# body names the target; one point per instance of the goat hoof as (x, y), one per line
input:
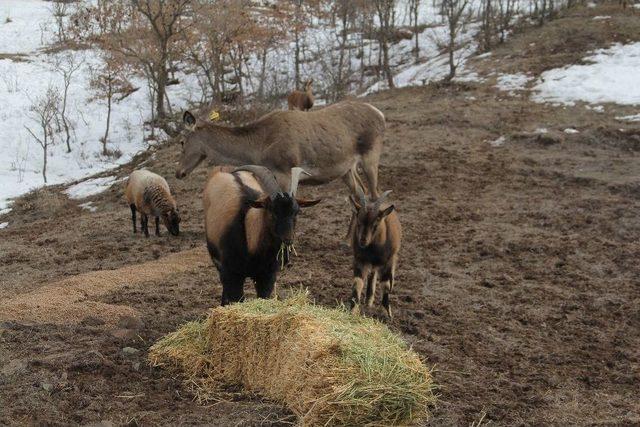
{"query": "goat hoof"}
(355, 309)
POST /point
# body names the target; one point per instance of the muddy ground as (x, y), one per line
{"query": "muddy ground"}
(518, 280)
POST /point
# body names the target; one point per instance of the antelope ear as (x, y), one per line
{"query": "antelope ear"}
(303, 203)
(386, 212)
(354, 203)
(189, 119)
(261, 203)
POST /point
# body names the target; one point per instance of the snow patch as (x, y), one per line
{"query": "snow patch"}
(631, 118)
(600, 18)
(90, 187)
(611, 76)
(88, 206)
(498, 142)
(513, 82)
(571, 131)
(4, 225)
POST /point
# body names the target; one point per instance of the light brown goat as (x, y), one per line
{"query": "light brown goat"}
(376, 243)
(149, 193)
(299, 100)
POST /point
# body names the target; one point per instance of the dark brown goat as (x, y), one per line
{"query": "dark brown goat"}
(301, 100)
(376, 243)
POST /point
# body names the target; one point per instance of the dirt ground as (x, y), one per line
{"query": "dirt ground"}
(518, 279)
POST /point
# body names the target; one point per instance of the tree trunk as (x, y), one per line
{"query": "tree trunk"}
(64, 116)
(263, 73)
(44, 164)
(106, 132)
(387, 67)
(297, 59)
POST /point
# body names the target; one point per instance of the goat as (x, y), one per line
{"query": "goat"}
(328, 143)
(149, 193)
(299, 100)
(248, 219)
(375, 243)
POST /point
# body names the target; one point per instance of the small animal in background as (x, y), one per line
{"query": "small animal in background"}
(299, 100)
(250, 226)
(376, 243)
(149, 193)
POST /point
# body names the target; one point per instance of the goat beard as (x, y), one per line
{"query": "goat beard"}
(284, 254)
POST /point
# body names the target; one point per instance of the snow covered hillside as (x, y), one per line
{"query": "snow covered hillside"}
(26, 27)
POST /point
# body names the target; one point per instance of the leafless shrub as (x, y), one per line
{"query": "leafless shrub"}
(43, 111)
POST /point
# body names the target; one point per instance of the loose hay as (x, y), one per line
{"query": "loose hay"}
(327, 366)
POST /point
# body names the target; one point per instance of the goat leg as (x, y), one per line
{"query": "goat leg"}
(371, 288)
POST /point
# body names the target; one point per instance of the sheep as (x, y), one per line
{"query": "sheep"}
(149, 193)
(299, 100)
(248, 222)
(375, 243)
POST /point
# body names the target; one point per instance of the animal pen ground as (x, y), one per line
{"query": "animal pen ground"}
(518, 278)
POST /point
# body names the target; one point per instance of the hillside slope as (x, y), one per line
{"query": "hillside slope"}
(518, 278)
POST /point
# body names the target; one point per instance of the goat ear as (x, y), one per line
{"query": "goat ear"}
(386, 212)
(261, 203)
(303, 203)
(189, 119)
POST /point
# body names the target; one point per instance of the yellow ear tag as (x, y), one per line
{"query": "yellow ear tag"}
(214, 115)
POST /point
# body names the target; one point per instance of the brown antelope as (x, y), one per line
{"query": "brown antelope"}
(327, 143)
(299, 100)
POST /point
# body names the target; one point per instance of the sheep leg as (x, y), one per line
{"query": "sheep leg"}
(359, 274)
(144, 224)
(157, 226)
(232, 287)
(371, 288)
(133, 216)
(387, 279)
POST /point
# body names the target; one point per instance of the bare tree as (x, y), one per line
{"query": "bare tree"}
(107, 81)
(487, 24)
(43, 110)
(456, 16)
(147, 33)
(505, 14)
(60, 10)
(385, 10)
(414, 10)
(66, 66)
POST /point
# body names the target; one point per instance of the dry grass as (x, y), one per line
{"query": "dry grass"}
(326, 366)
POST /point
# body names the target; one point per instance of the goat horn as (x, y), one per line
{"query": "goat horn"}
(361, 196)
(382, 198)
(264, 176)
(295, 179)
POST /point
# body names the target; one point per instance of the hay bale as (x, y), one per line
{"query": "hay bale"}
(327, 366)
